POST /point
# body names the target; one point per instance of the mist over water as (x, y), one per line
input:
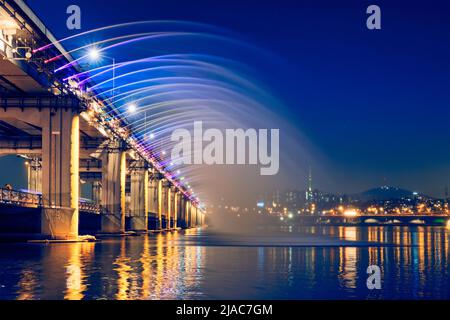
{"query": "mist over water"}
(258, 230)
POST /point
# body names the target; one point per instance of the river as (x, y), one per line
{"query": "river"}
(289, 263)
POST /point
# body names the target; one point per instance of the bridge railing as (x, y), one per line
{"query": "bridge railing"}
(19, 198)
(34, 200)
(90, 207)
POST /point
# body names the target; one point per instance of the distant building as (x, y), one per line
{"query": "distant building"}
(309, 189)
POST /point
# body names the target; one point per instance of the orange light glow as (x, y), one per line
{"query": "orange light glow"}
(350, 213)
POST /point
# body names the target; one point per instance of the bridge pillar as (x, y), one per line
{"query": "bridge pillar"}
(188, 214)
(192, 216)
(60, 173)
(113, 191)
(181, 211)
(160, 203)
(97, 192)
(170, 207)
(195, 216)
(185, 213)
(166, 203)
(153, 201)
(139, 198)
(173, 207)
(176, 207)
(35, 175)
(180, 217)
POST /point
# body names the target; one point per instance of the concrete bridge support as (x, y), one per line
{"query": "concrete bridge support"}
(176, 207)
(166, 204)
(160, 203)
(97, 192)
(192, 217)
(113, 191)
(202, 219)
(181, 211)
(153, 205)
(60, 173)
(188, 213)
(139, 198)
(170, 207)
(195, 216)
(35, 175)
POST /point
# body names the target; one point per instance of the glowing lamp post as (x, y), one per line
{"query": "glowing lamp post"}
(94, 55)
(132, 108)
(350, 213)
(8, 26)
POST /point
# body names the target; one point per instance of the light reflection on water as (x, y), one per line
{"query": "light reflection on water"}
(189, 265)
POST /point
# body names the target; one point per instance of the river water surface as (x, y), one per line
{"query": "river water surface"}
(306, 263)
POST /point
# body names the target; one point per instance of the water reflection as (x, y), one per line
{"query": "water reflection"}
(348, 258)
(156, 268)
(27, 283)
(75, 285)
(187, 265)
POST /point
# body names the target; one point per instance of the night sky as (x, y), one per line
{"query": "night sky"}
(373, 104)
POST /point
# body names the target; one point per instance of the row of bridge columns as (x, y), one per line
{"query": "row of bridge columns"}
(152, 198)
(57, 176)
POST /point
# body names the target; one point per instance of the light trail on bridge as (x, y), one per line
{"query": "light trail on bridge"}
(127, 24)
(157, 94)
(170, 73)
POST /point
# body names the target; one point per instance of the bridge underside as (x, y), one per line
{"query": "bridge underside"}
(64, 151)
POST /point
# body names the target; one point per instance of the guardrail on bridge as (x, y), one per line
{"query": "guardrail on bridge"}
(34, 200)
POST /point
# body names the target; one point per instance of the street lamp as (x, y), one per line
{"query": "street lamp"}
(8, 26)
(132, 108)
(94, 55)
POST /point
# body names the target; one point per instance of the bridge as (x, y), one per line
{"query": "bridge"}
(67, 138)
(378, 219)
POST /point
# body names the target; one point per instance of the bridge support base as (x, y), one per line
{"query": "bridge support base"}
(113, 192)
(139, 224)
(139, 199)
(60, 173)
(59, 223)
(112, 223)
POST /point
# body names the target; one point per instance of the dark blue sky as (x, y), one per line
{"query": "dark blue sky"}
(374, 103)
